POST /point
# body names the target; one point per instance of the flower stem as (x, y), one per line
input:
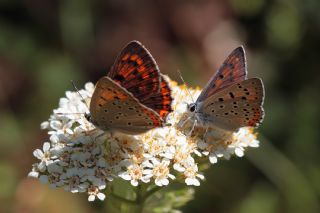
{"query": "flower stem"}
(140, 198)
(121, 199)
(152, 191)
(129, 199)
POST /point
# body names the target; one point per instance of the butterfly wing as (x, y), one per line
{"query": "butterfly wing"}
(136, 71)
(236, 106)
(233, 70)
(161, 101)
(114, 108)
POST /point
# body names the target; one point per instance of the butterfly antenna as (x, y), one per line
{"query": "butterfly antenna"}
(186, 85)
(69, 113)
(75, 87)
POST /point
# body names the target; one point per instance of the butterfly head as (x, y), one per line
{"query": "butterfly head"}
(88, 116)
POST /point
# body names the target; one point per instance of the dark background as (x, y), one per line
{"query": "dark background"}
(45, 43)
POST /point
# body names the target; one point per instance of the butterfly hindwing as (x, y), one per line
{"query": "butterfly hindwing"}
(233, 70)
(161, 101)
(113, 108)
(236, 106)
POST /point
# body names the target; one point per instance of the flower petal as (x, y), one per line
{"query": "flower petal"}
(38, 154)
(46, 147)
(101, 196)
(91, 198)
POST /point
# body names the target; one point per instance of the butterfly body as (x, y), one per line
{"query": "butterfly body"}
(230, 101)
(134, 97)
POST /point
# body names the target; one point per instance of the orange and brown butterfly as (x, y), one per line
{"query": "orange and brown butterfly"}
(230, 100)
(133, 97)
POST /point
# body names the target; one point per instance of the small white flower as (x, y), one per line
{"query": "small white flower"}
(134, 173)
(43, 155)
(191, 174)
(160, 171)
(94, 191)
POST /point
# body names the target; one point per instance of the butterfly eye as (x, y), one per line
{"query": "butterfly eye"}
(192, 107)
(88, 116)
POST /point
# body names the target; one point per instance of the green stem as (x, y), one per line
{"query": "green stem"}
(140, 198)
(128, 199)
(152, 191)
(121, 199)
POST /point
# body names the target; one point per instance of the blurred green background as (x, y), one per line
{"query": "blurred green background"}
(46, 43)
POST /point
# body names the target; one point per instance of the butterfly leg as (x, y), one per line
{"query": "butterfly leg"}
(205, 134)
(98, 136)
(90, 133)
(184, 122)
(112, 134)
(193, 126)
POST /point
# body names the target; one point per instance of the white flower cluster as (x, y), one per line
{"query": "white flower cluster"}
(81, 158)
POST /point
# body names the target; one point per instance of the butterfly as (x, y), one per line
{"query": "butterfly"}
(133, 97)
(230, 100)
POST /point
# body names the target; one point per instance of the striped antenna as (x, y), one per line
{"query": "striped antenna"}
(75, 87)
(186, 85)
(70, 113)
